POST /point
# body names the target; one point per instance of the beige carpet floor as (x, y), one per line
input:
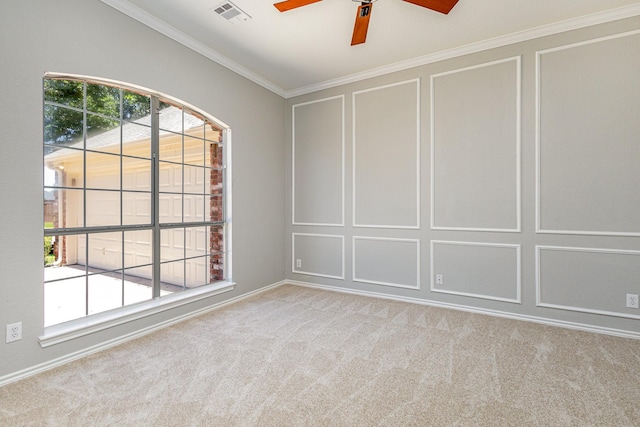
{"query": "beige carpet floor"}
(295, 356)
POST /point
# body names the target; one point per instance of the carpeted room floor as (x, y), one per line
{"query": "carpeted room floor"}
(295, 356)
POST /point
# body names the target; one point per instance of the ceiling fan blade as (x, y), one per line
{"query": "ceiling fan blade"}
(442, 6)
(283, 6)
(362, 23)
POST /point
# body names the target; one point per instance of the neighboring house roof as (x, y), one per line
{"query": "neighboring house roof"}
(171, 122)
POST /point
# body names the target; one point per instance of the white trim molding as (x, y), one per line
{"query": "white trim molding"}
(517, 140)
(329, 236)
(162, 27)
(377, 282)
(293, 162)
(417, 159)
(516, 300)
(540, 303)
(538, 142)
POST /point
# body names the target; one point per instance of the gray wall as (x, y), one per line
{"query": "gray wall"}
(90, 38)
(526, 162)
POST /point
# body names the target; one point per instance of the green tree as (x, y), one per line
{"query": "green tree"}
(65, 100)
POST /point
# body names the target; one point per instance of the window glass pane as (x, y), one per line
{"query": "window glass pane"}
(216, 185)
(170, 208)
(136, 208)
(64, 300)
(103, 171)
(63, 208)
(103, 208)
(66, 92)
(137, 251)
(194, 151)
(63, 126)
(193, 124)
(137, 285)
(197, 270)
(194, 179)
(170, 117)
(171, 148)
(212, 133)
(104, 100)
(136, 140)
(105, 251)
(136, 174)
(135, 107)
(64, 249)
(216, 267)
(197, 241)
(216, 208)
(63, 167)
(194, 208)
(103, 134)
(216, 160)
(172, 276)
(105, 292)
(171, 244)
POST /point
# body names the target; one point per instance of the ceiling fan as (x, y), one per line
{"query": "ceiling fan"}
(364, 12)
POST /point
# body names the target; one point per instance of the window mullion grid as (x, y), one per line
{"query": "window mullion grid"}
(84, 198)
(155, 194)
(122, 244)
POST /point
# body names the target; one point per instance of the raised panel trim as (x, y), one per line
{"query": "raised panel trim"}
(539, 303)
(375, 282)
(518, 228)
(418, 169)
(538, 211)
(517, 300)
(293, 254)
(293, 162)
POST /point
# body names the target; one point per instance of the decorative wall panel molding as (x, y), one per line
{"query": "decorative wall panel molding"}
(588, 280)
(386, 156)
(587, 128)
(480, 270)
(318, 162)
(387, 261)
(317, 255)
(475, 147)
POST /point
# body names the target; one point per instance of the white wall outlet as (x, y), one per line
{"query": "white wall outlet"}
(439, 279)
(298, 263)
(14, 332)
(632, 300)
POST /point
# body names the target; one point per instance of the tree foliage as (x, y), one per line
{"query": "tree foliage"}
(65, 101)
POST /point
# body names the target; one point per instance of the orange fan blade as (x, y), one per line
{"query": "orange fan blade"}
(442, 6)
(362, 23)
(283, 6)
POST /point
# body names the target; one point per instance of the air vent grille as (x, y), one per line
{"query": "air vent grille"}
(231, 12)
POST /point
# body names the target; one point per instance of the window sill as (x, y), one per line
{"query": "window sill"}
(67, 331)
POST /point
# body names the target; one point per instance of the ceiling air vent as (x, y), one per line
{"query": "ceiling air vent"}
(231, 12)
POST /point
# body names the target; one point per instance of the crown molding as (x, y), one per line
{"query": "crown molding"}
(162, 27)
(520, 36)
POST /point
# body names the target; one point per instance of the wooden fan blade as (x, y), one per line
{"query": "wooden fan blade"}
(442, 6)
(362, 23)
(283, 6)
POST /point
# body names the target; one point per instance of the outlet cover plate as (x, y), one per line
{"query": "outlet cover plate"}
(14, 332)
(632, 300)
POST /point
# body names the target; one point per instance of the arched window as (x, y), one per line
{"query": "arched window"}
(134, 197)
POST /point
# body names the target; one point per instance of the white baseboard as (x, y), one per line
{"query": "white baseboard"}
(33, 370)
(541, 320)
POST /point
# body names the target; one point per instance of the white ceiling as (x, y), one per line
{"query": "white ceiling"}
(308, 48)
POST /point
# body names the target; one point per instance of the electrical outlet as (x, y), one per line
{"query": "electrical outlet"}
(298, 263)
(439, 279)
(14, 332)
(632, 300)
